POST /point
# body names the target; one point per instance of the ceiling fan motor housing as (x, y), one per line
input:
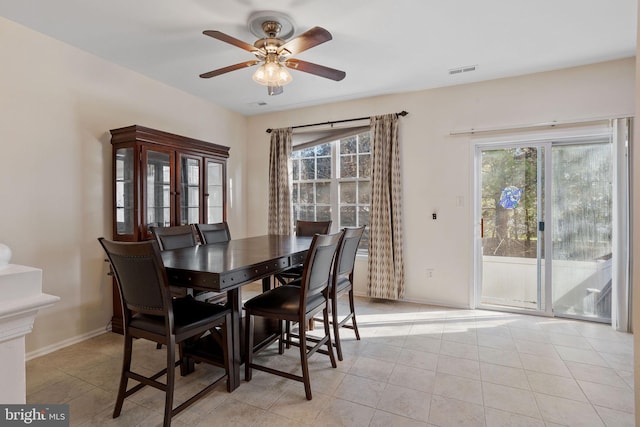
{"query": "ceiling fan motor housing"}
(271, 28)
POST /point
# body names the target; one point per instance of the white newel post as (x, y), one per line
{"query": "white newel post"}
(20, 299)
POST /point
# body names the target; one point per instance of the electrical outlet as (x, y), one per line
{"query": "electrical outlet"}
(429, 273)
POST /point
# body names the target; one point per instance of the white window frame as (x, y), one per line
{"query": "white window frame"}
(335, 180)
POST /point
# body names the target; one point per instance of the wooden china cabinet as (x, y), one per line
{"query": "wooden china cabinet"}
(162, 179)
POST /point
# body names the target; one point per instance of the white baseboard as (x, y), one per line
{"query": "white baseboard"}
(437, 303)
(65, 343)
(419, 301)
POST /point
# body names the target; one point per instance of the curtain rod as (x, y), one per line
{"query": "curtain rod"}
(554, 123)
(401, 113)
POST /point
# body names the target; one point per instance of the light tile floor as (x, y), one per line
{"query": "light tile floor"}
(415, 365)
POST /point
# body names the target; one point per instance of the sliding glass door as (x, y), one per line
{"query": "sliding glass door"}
(582, 230)
(545, 228)
(512, 232)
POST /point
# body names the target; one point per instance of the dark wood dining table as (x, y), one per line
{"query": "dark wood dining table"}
(226, 267)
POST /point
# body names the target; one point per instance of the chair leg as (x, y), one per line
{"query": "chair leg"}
(171, 376)
(288, 333)
(283, 333)
(353, 314)
(327, 328)
(248, 328)
(184, 361)
(126, 368)
(304, 361)
(336, 327)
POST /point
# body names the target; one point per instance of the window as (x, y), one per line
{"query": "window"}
(332, 181)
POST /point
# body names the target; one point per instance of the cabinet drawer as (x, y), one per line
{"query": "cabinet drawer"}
(253, 273)
(297, 259)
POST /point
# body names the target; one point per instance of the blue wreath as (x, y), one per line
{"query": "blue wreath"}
(510, 197)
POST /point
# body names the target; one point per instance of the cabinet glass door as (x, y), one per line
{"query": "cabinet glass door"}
(189, 190)
(158, 194)
(124, 191)
(215, 192)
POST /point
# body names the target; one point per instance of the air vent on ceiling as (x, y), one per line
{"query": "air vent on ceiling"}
(258, 103)
(461, 70)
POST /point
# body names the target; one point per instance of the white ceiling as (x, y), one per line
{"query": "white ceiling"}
(384, 46)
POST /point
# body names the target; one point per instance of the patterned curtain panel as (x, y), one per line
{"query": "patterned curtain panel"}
(386, 259)
(279, 182)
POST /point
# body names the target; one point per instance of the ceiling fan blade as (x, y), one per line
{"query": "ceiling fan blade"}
(231, 40)
(307, 40)
(318, 70)
(230, 68)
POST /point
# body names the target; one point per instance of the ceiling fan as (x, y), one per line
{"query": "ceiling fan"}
(274, 53)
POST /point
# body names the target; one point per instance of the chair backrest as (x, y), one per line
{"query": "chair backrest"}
(309, 228)
(213, 233)
(140, 274)
(317, 266)
(346, 254)
(174, 237)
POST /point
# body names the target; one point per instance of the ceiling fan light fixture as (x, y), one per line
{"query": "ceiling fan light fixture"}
(272, 74)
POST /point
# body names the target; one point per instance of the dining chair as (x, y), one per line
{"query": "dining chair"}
(342, 283)
(309, 228)
(213, 233)
(184, 236)
(289, 303)
(150, 312)
(303, 228)
(174, 237)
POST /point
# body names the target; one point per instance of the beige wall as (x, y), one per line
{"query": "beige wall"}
(57, 105)
(437, 167)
